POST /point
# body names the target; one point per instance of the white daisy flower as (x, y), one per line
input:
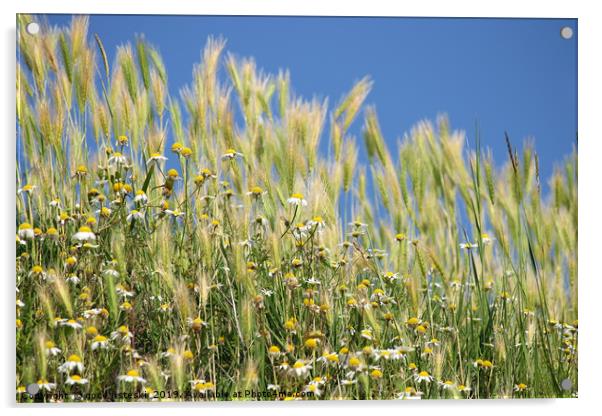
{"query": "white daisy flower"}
(140, 197)
(301, 368)
(122, 334)
(25, 231)
(100, 342)
(297, 199)
(231, 154)
(117, 159)
(26, 189)
(132, 376)
(447, 384)
(72, 323)
(74, 362)
(155, 158)
(45, 385)
(468, 246)
(84, 234)
(423, 376)
(76, 379)
(135, 215)
(51, 349)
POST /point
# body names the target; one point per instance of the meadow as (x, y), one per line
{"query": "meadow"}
(197, 244)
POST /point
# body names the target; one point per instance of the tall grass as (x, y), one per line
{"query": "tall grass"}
(251, 262)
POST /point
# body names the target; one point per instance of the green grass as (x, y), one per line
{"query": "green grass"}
(207, 277)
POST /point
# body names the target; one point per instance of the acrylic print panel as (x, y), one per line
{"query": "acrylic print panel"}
(278, 208)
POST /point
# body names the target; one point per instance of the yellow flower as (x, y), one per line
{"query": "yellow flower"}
(520, 387)
(177, 147)
(255, 191)
(354, 363)
(311, 343)
(413, 321)
(376, 373)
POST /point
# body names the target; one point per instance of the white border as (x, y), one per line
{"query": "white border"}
(590, 154)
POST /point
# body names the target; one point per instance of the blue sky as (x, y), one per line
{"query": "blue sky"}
(515, 75)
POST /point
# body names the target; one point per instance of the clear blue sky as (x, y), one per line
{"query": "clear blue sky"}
(515, 75)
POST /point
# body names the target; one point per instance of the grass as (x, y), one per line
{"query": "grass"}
(250, 262)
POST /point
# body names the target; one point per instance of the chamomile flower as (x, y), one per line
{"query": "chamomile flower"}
(231, 154)
(44, 384)
(118, 159)
(468, 246)
(123, 291)
(317, 222)
(196, 324)
(84, 234)
(141, 197)
(485, 239)
(484, 364)
(100, 342)
(297, 199)
(447, 384)
(51, 349)
(74, 362)
(132, 376)
(122, 334)
(38, 271)
(366, 333)
(26, 189)
(155, 158)
(348, 381)
(520, 387)
(463, 389)
(135, 215)
(25, 231)
(423, 376)
(256, 192)
(202, 386)
(76, 379)
(177, 147)
(410, 393)
(329, 358)
(104, 212)
(122, 140)
(311, 343)
(72, 323)
(274, 351)
(355, 364)
(376, 373)
(301, 368)
(313, 388)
